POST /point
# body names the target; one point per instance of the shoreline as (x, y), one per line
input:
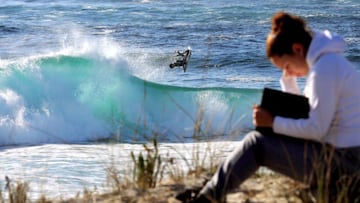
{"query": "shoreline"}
(99, 163)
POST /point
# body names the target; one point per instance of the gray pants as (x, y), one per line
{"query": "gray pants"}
(303, 160)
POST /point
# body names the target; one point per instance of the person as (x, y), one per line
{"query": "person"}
(183, 61)
(322, 150)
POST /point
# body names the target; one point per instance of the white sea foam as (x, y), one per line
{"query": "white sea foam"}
(63, 170)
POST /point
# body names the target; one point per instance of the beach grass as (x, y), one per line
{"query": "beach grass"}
(261, 187)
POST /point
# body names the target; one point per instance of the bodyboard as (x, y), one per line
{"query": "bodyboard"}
(186, 60)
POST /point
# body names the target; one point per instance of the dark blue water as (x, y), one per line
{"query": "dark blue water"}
(227, 37)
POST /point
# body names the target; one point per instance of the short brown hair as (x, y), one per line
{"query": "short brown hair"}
(286, 30)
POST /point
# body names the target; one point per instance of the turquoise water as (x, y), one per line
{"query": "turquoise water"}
(68, 99)
(78, 71)
(86, 72)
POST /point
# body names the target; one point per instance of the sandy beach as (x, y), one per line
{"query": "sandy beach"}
(266, 188)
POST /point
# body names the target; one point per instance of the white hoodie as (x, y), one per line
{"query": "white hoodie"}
(332, 87)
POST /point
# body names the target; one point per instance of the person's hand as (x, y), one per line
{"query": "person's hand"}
(262, 117)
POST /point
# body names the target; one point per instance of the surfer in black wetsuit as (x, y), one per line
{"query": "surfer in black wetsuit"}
(183, 61)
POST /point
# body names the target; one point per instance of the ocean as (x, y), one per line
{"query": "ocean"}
(84, 83)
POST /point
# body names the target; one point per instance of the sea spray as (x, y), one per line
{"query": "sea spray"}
(66, 99)
(97, 88)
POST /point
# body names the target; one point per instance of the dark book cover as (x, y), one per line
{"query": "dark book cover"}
(283, 104)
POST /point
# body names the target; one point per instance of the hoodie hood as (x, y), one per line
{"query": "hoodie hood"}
(324, 42)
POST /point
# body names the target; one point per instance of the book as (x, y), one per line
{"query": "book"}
(283, 104)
